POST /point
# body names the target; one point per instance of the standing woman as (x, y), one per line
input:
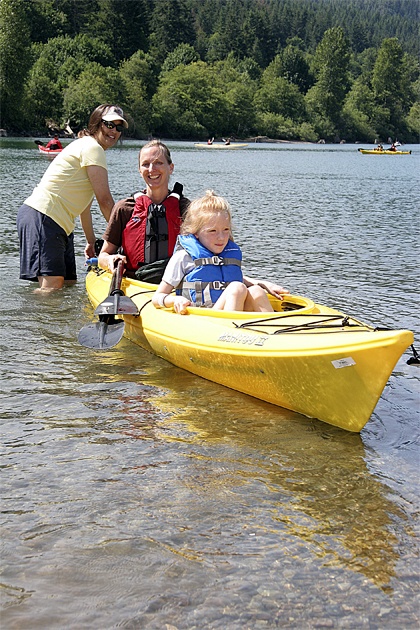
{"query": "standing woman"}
(46, 220)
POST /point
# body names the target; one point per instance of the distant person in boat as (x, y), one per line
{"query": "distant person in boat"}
(54, 143)
(206, 266)
(210, 140)
(392, 147)
(46, 220)
(379, 147)
(227, 141)
(143, 228)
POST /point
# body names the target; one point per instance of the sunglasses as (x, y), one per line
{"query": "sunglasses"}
(111, 125)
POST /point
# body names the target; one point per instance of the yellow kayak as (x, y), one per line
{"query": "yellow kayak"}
(384, 152)
(305, 357)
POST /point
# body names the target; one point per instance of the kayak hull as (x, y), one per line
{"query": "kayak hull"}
(385, 152)
(220, 146)
(46, 151)
(335, 374)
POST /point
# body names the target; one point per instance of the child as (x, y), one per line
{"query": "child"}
(206, 265)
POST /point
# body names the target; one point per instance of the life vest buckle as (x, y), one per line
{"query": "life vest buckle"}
(219, 286)
(216, 260)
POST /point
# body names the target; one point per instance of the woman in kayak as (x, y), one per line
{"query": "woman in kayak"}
(54, 143)
(143, 228)
(46, 220)
(206, 266)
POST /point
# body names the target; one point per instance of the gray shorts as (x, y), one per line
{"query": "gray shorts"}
(45, 248)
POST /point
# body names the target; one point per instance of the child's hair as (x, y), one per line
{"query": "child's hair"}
(201, 210)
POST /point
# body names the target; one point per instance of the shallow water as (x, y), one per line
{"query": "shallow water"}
(136, 495)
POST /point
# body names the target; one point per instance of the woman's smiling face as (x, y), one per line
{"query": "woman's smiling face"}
(108, 137)
(154, 168)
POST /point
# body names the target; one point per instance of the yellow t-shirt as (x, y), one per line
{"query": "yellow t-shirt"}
(65, 189)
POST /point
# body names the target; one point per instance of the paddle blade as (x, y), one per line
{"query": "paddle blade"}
(117, 305)
(100, 335)
(39, 143)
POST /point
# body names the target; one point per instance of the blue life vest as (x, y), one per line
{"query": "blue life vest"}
(212, 273)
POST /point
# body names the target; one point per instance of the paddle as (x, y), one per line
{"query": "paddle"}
(39, 143)
(108, 331)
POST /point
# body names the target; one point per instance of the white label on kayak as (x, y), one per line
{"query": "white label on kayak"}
(250, 340)
(340, 363)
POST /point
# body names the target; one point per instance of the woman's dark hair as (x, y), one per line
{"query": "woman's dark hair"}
(157, 143)
(95, 120)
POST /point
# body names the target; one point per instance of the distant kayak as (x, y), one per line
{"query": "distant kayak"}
(220, 146)
(383, 152)
(46, 151)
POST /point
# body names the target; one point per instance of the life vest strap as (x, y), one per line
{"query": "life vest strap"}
(216, 260)
(203, 289)
(157, 237)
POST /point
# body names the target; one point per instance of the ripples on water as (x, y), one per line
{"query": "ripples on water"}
(137, 495)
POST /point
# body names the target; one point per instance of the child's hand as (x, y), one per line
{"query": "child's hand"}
(180, 304)
(274, 289)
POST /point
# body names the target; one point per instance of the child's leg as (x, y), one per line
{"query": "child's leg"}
(233, 298)
(257, 300)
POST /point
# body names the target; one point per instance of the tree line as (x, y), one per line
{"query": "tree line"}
(286, 69)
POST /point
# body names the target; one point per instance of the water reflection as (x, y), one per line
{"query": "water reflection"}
(311, 479)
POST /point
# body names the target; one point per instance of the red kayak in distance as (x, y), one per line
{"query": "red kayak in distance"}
(46, 151)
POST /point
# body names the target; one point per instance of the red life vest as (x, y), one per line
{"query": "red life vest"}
(151, 232)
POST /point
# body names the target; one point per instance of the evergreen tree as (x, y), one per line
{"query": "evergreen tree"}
(15, 60)
(170, 25)
(391, 86)
(122, 25)
(331, 68)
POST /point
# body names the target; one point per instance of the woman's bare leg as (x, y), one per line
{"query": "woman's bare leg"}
(49, 283)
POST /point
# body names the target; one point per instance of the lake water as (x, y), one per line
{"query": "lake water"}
(136, 495)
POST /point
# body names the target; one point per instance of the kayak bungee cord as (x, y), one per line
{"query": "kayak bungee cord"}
(341, 321)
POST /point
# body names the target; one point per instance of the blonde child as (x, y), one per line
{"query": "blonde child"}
(206, 265)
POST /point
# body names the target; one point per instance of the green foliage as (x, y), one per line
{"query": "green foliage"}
(291, 69)
(170, 25)
(190, 94)
(14, 59)
(391, 86)
(182, 55)
(94, 85)
(279, 96)
(330, 66)
(138, 75)
(413, 121)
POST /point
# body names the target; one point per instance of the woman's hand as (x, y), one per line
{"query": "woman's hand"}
(90, 250)
(110, 261)
(113, 261)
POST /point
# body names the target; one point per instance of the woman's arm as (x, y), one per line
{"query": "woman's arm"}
(87, 225)
(98, 177)
(108, 257)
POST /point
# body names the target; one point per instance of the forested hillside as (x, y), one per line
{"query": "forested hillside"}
(286, 69)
